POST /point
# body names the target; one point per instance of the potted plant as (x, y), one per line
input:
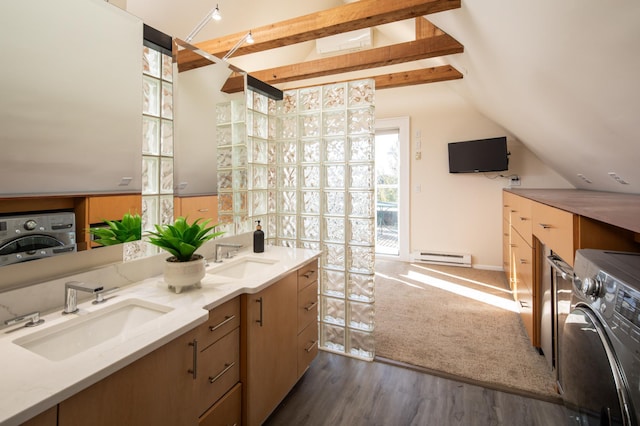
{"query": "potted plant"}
(185, 267)
(119, 231)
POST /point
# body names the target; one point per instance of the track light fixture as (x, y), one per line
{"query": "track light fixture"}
(245, 38)
(213, 14)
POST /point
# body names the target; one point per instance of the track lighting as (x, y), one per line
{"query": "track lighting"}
(213, 14)
(245, 38)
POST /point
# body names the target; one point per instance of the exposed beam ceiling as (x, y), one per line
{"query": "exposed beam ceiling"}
(388, 55)
(430, 42)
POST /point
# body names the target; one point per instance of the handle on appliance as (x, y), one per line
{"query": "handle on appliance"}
(559, 265)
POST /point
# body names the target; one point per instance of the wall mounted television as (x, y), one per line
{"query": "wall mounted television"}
(482, 155)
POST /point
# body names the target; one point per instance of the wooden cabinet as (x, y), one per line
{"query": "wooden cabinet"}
(95, 209)
(218, 358)
(555, 228)
(205, 207)
(269, 340)
(225, 412)
(523, 286)
(307, 342)
(155, 390)
(180, 383)
(47, 418)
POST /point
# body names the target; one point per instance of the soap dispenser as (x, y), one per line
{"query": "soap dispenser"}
(258, 239)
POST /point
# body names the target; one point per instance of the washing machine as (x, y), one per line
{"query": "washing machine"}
(26, 237)
(600, 357)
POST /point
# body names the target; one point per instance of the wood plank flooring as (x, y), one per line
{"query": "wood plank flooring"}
(341, 391)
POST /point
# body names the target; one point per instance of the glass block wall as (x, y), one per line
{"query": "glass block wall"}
(157, 139)
(304, 166)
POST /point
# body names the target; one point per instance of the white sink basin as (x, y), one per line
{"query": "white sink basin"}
(69, 338)
(243, 267)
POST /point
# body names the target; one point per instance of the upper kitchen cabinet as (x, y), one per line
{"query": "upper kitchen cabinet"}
(71, 104)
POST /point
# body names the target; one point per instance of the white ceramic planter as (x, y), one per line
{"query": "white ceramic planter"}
(178, 275)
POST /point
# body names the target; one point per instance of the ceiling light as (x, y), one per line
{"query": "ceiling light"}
(213, 14)
(248, 38)
(216, 14)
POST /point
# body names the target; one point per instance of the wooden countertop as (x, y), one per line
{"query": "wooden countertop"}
(618, 209)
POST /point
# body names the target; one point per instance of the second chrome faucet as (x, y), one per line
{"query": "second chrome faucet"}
(71, 294)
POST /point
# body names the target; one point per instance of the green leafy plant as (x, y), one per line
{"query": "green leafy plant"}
(119, 231)
(182, 239)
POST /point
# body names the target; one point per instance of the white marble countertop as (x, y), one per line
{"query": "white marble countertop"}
(30, 383)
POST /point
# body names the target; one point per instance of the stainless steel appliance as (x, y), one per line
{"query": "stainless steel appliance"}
(34, 236)
(556, 287)
(600, 360)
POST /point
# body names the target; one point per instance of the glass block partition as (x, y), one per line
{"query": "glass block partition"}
(304, 166)
(157, 140)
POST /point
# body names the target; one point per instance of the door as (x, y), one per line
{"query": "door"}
(392, 187)
(592, 379)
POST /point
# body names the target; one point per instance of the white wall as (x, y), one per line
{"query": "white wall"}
(459, 213)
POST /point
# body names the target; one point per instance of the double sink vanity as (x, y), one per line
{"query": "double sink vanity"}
(225, 353)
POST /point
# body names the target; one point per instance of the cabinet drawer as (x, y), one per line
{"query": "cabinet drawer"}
(307, 347)
(226, 412)
(554, 227)
(307, 274)
(218, 370)
(307, 306)
(522, 260)
(521, 218)
(508, 204)
(205, 207)
(221, 321)
(524, 298)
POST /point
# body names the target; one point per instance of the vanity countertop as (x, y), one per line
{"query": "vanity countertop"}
(30, 383)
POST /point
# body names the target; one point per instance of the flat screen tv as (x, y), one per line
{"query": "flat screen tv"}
(483, 155)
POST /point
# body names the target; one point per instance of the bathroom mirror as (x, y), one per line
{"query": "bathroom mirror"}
(55, 149)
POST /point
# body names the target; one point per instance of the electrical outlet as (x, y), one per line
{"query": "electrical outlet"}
(514, 181)
(418, 155)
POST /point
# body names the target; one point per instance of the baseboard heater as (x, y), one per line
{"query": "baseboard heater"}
(441, 258)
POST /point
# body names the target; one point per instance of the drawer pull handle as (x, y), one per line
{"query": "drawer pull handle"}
(227, 367)
(308, 274)
(524, 218)
(310, 306)
(544, 225)
(259, 321)
(194, 370)
(523, 304)
(523, 261)
(203, 210)
(227, 318)
(310, 348)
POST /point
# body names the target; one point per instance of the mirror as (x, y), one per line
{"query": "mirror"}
(71, 127)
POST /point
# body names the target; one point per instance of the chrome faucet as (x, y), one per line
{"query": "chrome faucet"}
(32, 319)
(70, 294)
(230, 253)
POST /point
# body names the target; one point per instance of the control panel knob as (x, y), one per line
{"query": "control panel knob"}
(592, 287)
(30, 225)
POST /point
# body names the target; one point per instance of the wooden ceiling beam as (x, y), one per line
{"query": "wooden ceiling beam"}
(347, 17)
(381, 56)
(414, 77)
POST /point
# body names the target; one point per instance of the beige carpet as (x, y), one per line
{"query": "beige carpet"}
(459, 322)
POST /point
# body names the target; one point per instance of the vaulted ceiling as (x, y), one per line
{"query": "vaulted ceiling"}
(559, 76)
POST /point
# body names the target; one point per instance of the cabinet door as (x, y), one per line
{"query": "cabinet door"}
(155, 390)
(269, 348)
(47, 418)
(205, 207)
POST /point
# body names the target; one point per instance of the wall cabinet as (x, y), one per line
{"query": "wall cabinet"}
(205, 207)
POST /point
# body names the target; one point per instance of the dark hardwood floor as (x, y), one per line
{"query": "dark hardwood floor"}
(338, 391)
